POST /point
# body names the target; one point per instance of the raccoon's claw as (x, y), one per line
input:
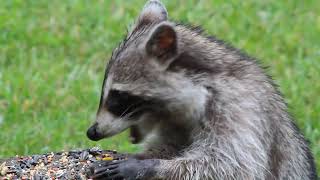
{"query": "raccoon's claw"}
(130, 169)
(104, 170)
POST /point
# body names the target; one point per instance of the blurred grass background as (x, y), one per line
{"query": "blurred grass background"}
(53, 55)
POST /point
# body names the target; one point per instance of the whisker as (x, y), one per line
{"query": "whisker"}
(123, 113)
(131, 113)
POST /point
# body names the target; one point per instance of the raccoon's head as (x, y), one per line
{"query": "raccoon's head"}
(138, 85)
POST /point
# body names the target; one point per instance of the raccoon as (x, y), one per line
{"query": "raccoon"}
(203, 109)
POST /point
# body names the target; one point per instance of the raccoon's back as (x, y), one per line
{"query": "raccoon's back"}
(290, 155)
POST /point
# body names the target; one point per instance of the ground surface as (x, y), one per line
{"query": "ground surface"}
(53, 55)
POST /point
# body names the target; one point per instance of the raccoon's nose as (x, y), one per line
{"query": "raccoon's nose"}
(92, 133)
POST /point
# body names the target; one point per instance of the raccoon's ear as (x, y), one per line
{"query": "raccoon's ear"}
(162, 43)
(154, 11)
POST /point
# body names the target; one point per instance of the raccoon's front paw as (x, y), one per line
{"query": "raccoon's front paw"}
(125, 169)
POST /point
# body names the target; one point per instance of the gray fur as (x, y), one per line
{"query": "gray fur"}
(220, 116)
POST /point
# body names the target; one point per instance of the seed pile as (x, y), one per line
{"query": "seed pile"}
(62, 165)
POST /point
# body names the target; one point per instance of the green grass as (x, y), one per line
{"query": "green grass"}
(53, 55)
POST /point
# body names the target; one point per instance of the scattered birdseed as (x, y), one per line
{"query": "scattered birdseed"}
(61, 165)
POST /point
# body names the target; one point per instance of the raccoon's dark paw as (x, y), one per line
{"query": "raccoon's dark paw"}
(130, 169)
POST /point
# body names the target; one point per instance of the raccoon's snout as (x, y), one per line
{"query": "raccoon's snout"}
(93, 134)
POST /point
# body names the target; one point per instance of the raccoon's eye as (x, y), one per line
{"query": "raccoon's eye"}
(121, 103)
